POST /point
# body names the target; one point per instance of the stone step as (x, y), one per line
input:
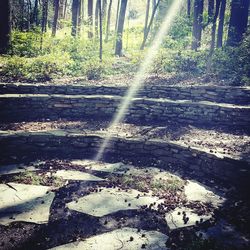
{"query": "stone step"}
(188, 161)
(221, 142)
(224, 94)
(25, 107)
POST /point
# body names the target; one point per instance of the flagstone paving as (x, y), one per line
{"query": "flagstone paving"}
(110, 200)
(20, 202)
(125, 238)
(108, 208)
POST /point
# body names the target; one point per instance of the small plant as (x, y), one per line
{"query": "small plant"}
(34, 178)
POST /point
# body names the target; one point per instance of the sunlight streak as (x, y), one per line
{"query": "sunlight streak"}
(142, 73)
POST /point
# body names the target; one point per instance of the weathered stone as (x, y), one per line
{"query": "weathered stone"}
(124, 239)
(20, 202)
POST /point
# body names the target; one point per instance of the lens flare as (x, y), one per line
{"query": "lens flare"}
(141, 74)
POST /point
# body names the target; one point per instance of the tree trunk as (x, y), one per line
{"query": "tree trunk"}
(104, 9)
(65, 9)
(217, 8)
(55, 20)
(75, 6)
(29, 21)
(97, 8)
(197, 23)
(238, 21)
(21, 2)
(221, 24)
(120, 27)
(188, 8)
(5, 27)
(100, 24)
(35, 20)
(210, 10)
(149, 26)
(117, 14)
(90, 18)
(79, 22)
(146, 19)
(44, 15)
(108, 21)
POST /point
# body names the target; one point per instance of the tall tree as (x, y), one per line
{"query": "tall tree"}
(55, 19)
(221, 23)
(217, 8)
(75, 6)
(35, 14)
(97, 9)
(100, 24)
(188, 8)
(238, 21)
(5, 27)
(197, 23)
(108, 21)
(210, 10)
(79, 21)
(149, 25)
(117, 14)
(120, 27)
(90, 18)
(44, 15)
(146, 18)
(65, 9)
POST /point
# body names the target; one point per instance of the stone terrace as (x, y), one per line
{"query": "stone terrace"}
(199, 132)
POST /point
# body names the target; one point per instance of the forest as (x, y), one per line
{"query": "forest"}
(41, 40)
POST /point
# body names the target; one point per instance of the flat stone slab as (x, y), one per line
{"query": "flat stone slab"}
(118, 167)
(125, 239)
(16, 169)
(196, 192)
(76, 175)
(21, 202)
(175, 218)
(110, 200)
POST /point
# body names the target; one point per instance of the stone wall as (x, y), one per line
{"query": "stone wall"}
(23, 146)
(223, 94)
(143, 110)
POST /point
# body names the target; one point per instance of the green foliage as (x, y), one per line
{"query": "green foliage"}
(180, 61)
(25, 43)
(233, 63)
(40, 68)
(181, 28)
